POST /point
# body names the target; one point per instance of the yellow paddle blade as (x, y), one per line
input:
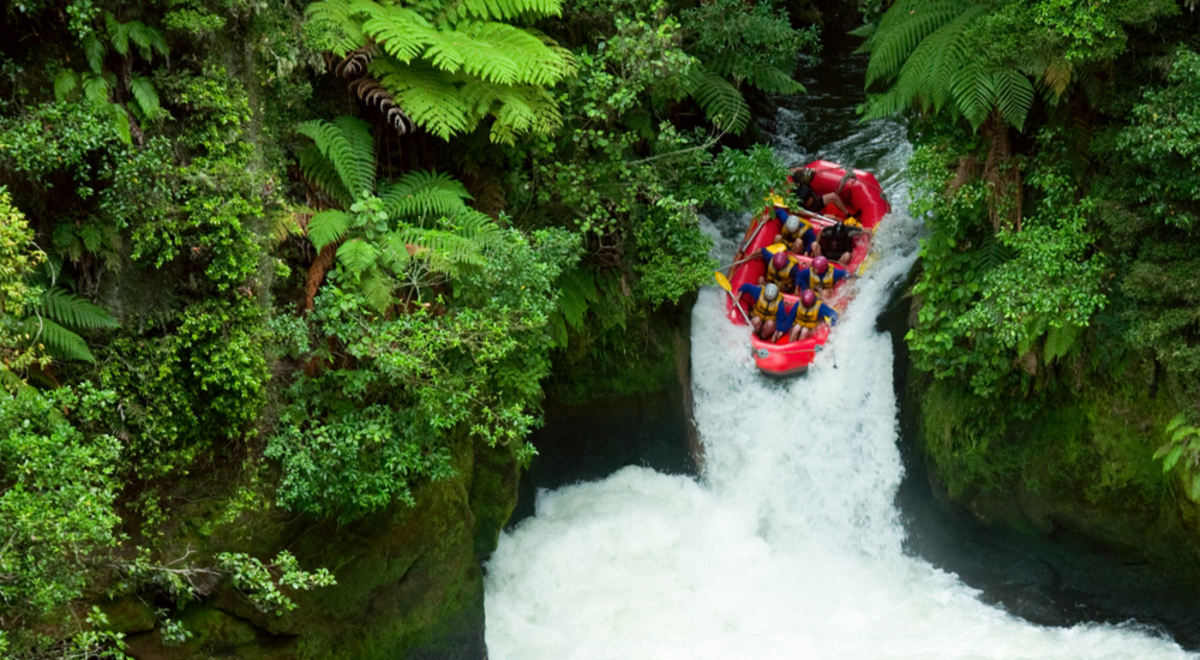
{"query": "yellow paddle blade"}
(723, 281)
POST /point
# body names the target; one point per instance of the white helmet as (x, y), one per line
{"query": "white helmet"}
(772, 292)
(793, 224)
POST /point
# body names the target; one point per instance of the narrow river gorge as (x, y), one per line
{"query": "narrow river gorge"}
(790, 543)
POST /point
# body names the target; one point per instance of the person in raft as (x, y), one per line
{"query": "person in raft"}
(768, 316)
(796, 234)
(807, 314)
(803, 178)
(781, 270)
(820, 276)
(836, 242)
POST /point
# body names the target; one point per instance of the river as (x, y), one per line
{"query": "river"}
(790, 544)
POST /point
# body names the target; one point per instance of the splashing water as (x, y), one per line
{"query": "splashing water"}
(790, 545)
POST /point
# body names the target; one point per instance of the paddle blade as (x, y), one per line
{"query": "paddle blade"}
(723, 281)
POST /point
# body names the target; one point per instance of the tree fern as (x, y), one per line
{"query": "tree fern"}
(327, 227)
(511, 9)
(428, 96)
(924, 46)
(346, 143)
(432, 64)
(320, 173)
(721, 101)
(421, 193)
(902, 29)
(357, 255)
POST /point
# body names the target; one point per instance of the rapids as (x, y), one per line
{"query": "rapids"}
(790, 544)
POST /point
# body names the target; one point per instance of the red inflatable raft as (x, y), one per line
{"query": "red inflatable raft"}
(865, 200)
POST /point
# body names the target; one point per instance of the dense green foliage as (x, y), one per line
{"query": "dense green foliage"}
(1056, 165)
(300, 259)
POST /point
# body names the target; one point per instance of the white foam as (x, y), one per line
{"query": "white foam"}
(788, 547)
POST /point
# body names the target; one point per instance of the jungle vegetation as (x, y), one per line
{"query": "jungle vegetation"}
(1058, 161)
(306, 249)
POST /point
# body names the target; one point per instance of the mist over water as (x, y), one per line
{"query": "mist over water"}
(790, 545)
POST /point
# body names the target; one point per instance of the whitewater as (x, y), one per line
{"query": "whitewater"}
(789, 545)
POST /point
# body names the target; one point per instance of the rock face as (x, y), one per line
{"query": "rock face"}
(409, 582)
(1061, 518)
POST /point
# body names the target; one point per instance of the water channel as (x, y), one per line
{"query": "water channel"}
(790, 543)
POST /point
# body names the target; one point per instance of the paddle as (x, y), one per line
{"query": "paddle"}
(750, 240)
(724, 282)
(739, 263)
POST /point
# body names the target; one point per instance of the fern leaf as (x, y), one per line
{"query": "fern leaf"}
(60, 342)
(510, 9)
(721, 101)
(146, 96)
(423, 194)
(1014, 96)
(377, 289)
(147, 39)
(120, 120)
(403, 33)
(118, 34)
(71, 310)
(95, 89)
(900, 31)
(65, 83)
(320, 174)
(357, 255)
(426, 95)
(342, 31)
(395, 253)
(348, 146)
(327, 227)
(1172, 457)
(1175, 422)
(93, 50)
(1060, 341)
(577, 290)
(776, 81)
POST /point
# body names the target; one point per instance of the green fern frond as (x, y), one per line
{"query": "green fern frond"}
(902, 29)
(321, 174)
(776, 81)
(722, 102)
(96, 89)
(422, 194)
(338, 23)
(347, 144)
(377, 288)
(147, 39)
(120, 121)
(94, 50)
(146, 97)
(118, 34)
(394, 254)
(576, 292)
(991, 254)
(479, 229)
(327, 227)
(357, 255)
(71, 310)
(510, 9)
(65, 84)
(518, 109)
(426, 95)
(60, 342)
(1014, 96)
(402, 32)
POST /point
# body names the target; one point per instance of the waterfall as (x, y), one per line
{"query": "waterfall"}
(789, 545)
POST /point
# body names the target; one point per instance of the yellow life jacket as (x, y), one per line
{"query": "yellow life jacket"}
(808, 317)
(789, 238)
(818, 282)
(782, 277)
(766, 309)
